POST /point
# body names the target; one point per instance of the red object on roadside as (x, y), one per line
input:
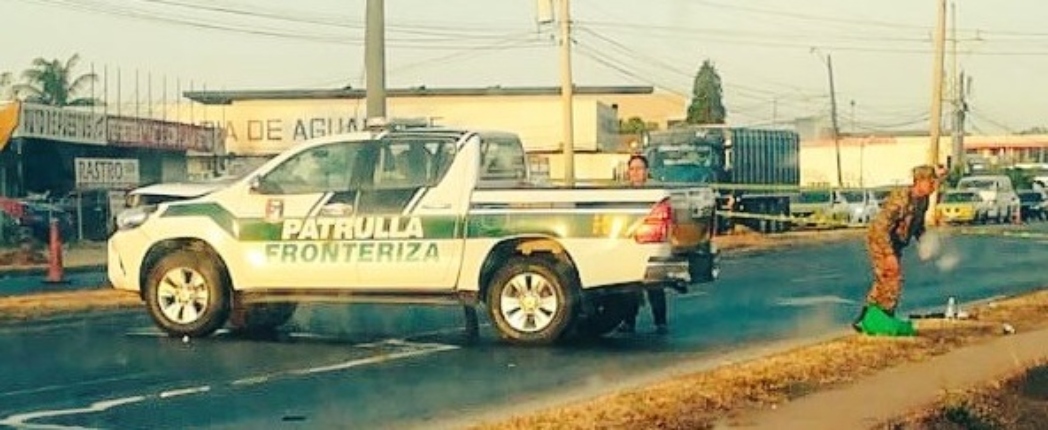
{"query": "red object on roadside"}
(14, 208)
(55, 271)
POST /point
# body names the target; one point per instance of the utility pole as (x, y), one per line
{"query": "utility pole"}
(836, 128)
(936, 109)
(959, 104)
(937, 78)
(567, 92)
(375, 59)
(960, 113)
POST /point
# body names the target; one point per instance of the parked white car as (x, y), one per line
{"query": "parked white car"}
(998, 194)
(860, 205)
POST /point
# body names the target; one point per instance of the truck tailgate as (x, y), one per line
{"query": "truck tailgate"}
(693, 212)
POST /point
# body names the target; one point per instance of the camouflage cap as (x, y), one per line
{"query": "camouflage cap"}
(924, 171)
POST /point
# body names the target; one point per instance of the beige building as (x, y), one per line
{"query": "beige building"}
(263, 123)
(267, 122)
(887, 160)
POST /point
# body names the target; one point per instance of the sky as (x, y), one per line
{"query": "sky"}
(770, 54)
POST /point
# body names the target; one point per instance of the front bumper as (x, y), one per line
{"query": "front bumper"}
(126, 250)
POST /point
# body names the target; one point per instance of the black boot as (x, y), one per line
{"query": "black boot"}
(857, 323)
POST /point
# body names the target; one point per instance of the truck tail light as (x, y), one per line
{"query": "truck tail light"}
(655, 228)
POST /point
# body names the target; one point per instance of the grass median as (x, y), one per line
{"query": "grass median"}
(725, 394)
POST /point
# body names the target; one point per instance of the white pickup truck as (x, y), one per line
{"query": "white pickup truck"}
(415, 216)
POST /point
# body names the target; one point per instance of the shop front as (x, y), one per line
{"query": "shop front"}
(82, 163)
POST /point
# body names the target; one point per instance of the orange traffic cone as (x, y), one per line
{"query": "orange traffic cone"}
(55, 271)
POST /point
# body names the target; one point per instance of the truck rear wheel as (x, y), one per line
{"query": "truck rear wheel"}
(186, 295)
(531, 300)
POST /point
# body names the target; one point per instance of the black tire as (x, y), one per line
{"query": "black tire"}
(550, 307)
(176, 283)
(260, 318)
(608, 313)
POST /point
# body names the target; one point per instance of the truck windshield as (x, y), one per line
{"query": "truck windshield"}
(681, 155)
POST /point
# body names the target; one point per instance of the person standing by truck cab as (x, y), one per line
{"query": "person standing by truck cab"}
(637, 175)
(900, 219)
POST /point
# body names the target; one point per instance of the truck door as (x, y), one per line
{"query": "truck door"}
(416, 207)
(295, 222)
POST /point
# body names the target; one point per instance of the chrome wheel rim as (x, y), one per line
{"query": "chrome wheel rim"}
(529, 302)
(182, 295)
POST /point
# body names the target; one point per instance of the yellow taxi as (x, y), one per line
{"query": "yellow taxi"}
(959, 207)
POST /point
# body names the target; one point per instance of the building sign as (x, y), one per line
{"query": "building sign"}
(55, 123)
(106, 173)
(261, 129)
(154, 134)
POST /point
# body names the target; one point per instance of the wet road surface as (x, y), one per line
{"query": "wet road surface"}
(379, 366)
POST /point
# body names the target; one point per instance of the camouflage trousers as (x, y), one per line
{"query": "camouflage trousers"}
(887, 278)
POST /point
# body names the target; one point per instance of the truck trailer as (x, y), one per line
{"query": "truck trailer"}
(752, 169)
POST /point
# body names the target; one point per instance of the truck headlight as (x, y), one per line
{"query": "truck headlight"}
(134, 217)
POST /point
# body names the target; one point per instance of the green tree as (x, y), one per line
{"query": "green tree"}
(707, 104)
(636, 125)
(1035, 130)
(1021, 179)
(53, 83)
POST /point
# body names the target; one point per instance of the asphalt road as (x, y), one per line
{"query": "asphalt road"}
(382, 367)
(11, 284)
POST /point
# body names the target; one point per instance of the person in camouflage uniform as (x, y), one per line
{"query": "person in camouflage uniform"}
(900, 219)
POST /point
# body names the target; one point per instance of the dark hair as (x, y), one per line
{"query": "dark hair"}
(640, 157)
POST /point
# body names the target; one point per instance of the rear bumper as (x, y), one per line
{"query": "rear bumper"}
(668, 270)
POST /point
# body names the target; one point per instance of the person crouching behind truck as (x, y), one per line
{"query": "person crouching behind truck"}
(637, 175)
(901, 218)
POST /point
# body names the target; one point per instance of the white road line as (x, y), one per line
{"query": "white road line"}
(252, 380)
(22, 420)
(184, 391)
(415, 349)
(427, 349)
(813, 300)
(62, 387)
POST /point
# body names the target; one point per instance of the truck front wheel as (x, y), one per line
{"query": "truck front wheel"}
(531, 300)
(186, 295)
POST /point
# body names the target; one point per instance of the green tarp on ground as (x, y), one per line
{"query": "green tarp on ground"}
(878, 323)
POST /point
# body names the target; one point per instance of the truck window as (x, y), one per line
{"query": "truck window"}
(501, 160)
(316, 170)
(413, 163)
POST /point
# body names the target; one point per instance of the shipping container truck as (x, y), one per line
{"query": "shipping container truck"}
(753, 169)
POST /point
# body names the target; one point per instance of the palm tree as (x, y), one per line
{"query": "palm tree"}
(51, 83)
